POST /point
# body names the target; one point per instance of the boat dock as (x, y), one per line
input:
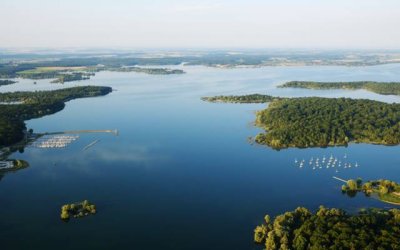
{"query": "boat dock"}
(60, 141)
(6, 165)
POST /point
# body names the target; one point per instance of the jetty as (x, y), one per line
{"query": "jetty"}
(90, 145)
(111, 131)
(339, 179)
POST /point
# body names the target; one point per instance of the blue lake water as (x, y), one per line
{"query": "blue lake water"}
(181, 173)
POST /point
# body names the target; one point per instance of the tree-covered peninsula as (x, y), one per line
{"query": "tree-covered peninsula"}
(34, 105)
(254, 98)
(383, 88)
(6, 82)
(321, 122)
(371, 229)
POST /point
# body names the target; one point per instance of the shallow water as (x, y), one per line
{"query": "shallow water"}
(181, 173)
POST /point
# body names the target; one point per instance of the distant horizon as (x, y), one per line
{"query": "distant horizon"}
(311, 24)
(194, 49)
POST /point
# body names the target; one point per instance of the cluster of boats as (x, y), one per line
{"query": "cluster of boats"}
(59, 141)
(325, 162)
(6, 164)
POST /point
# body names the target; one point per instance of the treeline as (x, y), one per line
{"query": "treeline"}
(151, 71)
(385, 190)
(372, 229)
(6, 82)
(321, 122)
(70, 77)
(383, 88)
(254, 98)
(35, 105)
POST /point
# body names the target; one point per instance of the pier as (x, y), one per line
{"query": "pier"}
(111, 131)
(6, 165)
(339, 179)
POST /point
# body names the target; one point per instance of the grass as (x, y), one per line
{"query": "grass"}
(39, 70)
(390, 197)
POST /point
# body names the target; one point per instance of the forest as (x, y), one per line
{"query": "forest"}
(383, 88)
(369, 229)
(322, 122)
(6, 82)
(34, 105)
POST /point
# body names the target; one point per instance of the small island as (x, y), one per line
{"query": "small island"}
(383, 88)
(77, 210)
(330, 229)
(6, 82)
(384, 190)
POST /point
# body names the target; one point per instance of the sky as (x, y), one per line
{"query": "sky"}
(344, 24)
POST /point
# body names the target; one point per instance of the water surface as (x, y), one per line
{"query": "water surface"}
(181, 173)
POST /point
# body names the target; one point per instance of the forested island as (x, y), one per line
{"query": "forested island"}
(383, 88)
(34, 105)
(77, 210)
(254, 98)
(321, 122)
(370, 229)
(384, 190)
(6, 82)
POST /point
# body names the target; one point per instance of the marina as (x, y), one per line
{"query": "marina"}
(4, 165)
(57, 141)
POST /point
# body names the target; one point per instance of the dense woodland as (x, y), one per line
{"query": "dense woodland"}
(254, 98)
(371, 229)
(62, 78)
(6, 82)
(383, 88)
(35, 105)
(320, 122)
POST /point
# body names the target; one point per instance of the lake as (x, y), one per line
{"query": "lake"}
(181, 174)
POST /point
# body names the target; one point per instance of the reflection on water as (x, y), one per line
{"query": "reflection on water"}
(181, 171)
